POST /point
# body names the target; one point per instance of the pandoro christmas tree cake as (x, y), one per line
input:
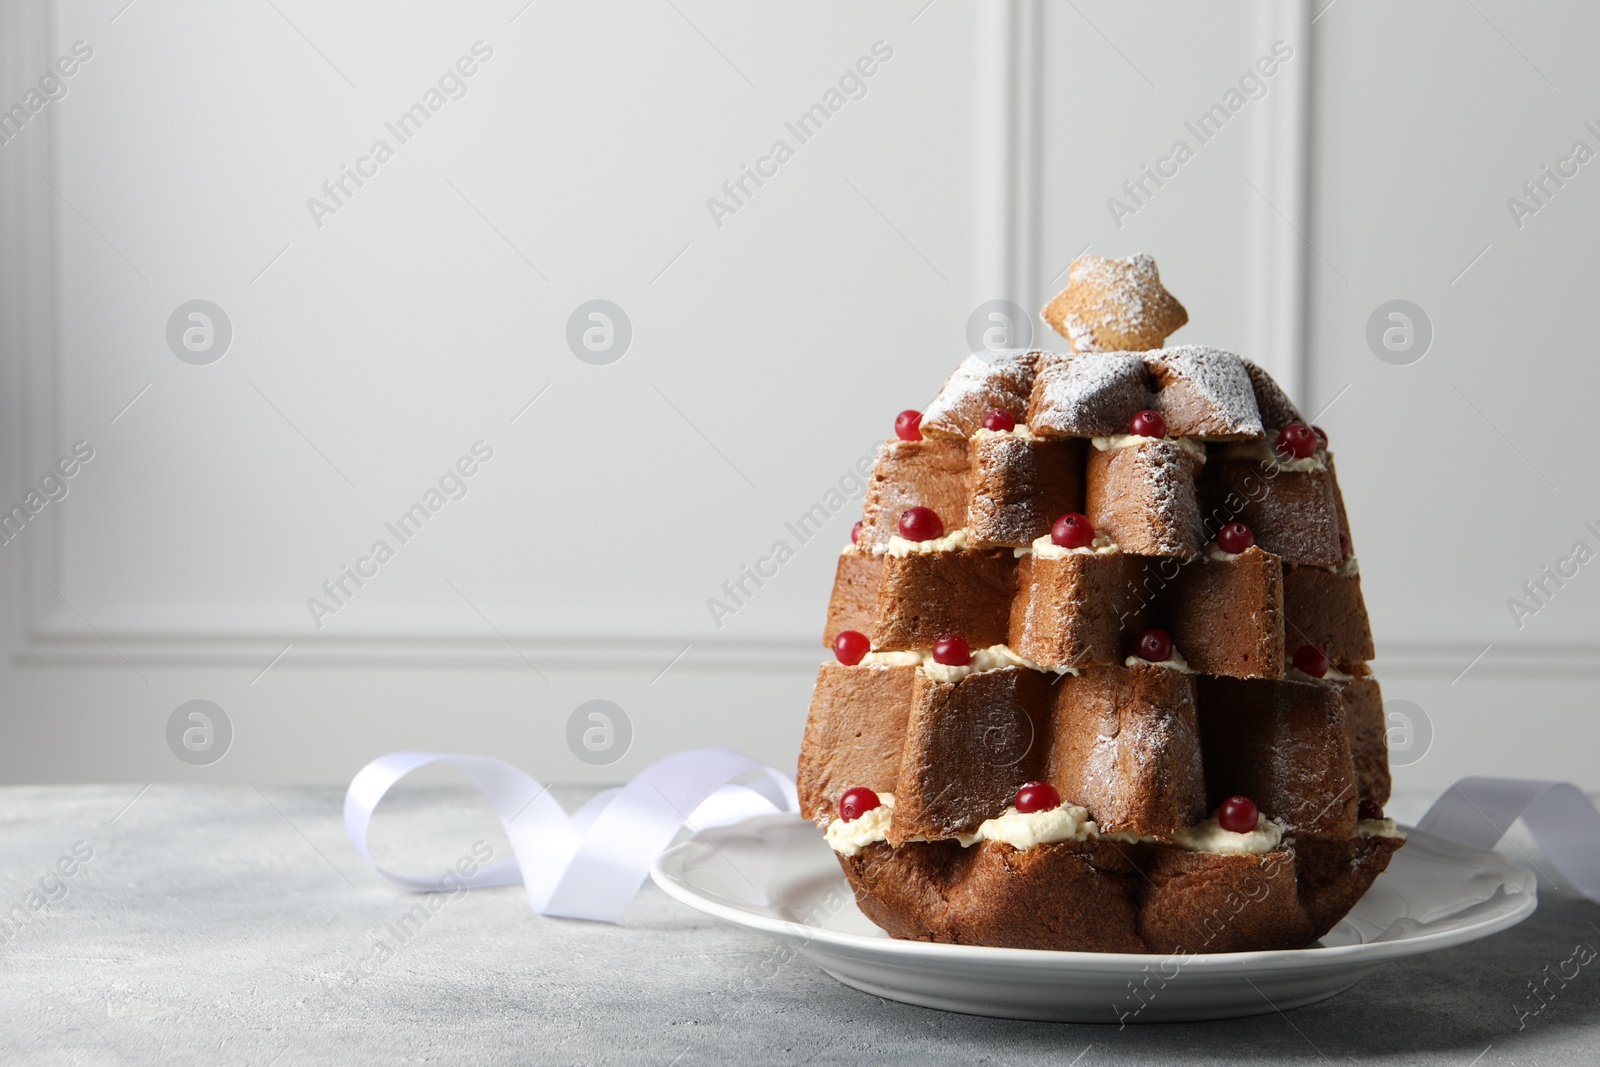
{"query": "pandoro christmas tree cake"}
(1100, 677)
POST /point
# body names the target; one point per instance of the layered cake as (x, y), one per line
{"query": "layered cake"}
(1100, 671)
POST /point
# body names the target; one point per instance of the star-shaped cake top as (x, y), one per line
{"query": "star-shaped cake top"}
(1114, 305)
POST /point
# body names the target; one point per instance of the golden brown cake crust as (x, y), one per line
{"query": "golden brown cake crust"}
(854, 734)
(1085, 396)
(1080, 610)
(967, 746)
(925, 596)
(1125, 745)
(855, 594)
(984, 382)
(1324, 608)
(1114, 305)
(1284, 745)
(1226, 616)
(1143, 497)
(1369, 737)
(1293, 513)
(1103, 896)
(1021, 486)
(928, 473)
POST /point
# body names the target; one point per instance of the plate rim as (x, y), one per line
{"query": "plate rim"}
(1525, 901)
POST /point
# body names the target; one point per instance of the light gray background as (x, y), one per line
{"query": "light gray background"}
(768, 354)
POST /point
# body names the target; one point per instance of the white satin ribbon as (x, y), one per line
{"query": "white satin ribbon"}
(589, 865)
(1563, 822)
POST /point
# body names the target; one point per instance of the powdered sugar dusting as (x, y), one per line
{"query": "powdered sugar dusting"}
(984, 382)
(1277, 410)
(1114, 305)
(1204, 392)
(1174, 513)
(1115, 302)
(1145, 498)
(1088, 394)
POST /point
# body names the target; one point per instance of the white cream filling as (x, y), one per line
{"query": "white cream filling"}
(1070, 822)
(1175, 662)
(1214, 551)
(1347, 569)
(892, 659)
(1209, 836)
(849, 838)
(1262, 452)
(1045, 548)
(1334, 675)
(993, 658)
(1066, 823)
(1191, 445)
(950, 542)
(1379, 828)
(1021, 432)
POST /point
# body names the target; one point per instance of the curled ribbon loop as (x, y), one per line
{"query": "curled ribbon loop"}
(588, 865)
(1563, 821)
(591, 864)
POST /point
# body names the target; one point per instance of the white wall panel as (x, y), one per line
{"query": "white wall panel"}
(769, 352)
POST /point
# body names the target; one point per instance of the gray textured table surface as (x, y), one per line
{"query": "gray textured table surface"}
(236, 926)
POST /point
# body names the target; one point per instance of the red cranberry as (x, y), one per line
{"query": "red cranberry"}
(855, 533)
(1312, 660)
(851, 647)
(1037, 796)
(1238, 815)
(999, 421)
(1235, 538)
(1322, 436)
(1345, 550)
(952, 652)
(856, 802)
(1072, 530)
(1369, 809)
(908, 425)
(1155, 645)
(1295, 441)
(920, 524)
(1148, 424)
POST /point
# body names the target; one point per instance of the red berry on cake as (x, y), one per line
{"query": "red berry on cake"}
(999, 421)
(1072, 530)
(908, 426)
(920, 524)
(1235, 538)
(1369, 809)
(851, 647)
(1037, 796)
(1155, 645)
(1148, 424)
(1312, 660)
(952, 652)
(1322, 436)
(1295, 441)
(855, 533)
(856, 802)
(1345, 550)
(1238, 815)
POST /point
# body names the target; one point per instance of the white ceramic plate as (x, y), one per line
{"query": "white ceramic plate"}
(774, 873)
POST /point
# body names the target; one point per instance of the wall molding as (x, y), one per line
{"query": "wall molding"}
(1281, 200)
(651, 656)
(1007, 213)
(1008, 183)
(29, 234)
